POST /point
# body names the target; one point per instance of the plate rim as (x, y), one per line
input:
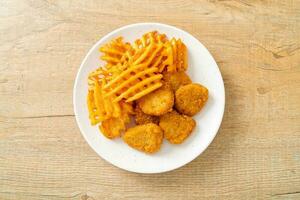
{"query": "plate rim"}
(75, 103)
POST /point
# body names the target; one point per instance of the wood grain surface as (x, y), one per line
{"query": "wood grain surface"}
(256, 154)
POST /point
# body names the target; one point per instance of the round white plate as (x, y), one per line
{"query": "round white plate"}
(202, 69)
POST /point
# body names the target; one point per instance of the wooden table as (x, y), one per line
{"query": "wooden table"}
(256, 154)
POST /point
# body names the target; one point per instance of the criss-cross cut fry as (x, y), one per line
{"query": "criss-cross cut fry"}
(147, 38)
(172, 57)
(93, 112)
(179, 54)
(141, 75)
(114, 51)
(175, 54)
(101, 108)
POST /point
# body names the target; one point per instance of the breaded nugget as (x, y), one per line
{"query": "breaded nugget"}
(176, 127)
(146, 137)
(190, 99)
(158, 102)
(142, 118)
(113, 127)
(176, 79)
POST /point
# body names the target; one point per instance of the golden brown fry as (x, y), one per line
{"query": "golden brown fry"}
(102, 108)
(190, 99)
(139, 76)
(142, 118)
(105, 106)
(176, 127)
(176, 79)
(181, 60)
(175, 56)
(114, 51)
(146, 138)
(93, 113)
(158, 102)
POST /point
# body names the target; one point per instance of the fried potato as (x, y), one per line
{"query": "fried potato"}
(140, 75)
(176, 127)
(181, 57)
(146, 138)
(190, 99)
(158, 102)
(142, 118)
(114, 51)
(93, 111)
(101, 108)
(177, 79)
(145, 73)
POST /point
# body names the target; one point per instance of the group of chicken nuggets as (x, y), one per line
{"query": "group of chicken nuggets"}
(145, 81)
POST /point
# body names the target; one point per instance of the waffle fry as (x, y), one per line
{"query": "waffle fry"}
(93, 112)
(114, 51)
(141, 75)
(175, 54)
(180, 55)
(172, 57)
(147, 38)
(101, 108)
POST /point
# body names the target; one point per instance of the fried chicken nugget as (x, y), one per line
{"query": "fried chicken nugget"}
(176, 127)
(158, 102)
(190, 99)
(146, 137)
(112, 128)
(142, 118)
(176, 79)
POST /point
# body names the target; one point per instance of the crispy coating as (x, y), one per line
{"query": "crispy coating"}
(146, 137)
(176, 127)
(177, 79)
(113, 127)
(190, 99)
(158, 102)
(142, 118)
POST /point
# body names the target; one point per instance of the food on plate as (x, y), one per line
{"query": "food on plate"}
(158, 102)
(145, 80)
(142, 118)
(146, 137)
(190, 99)
(176, 127)
(176, 79)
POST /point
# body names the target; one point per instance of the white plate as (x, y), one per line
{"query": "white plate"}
(202, 69)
